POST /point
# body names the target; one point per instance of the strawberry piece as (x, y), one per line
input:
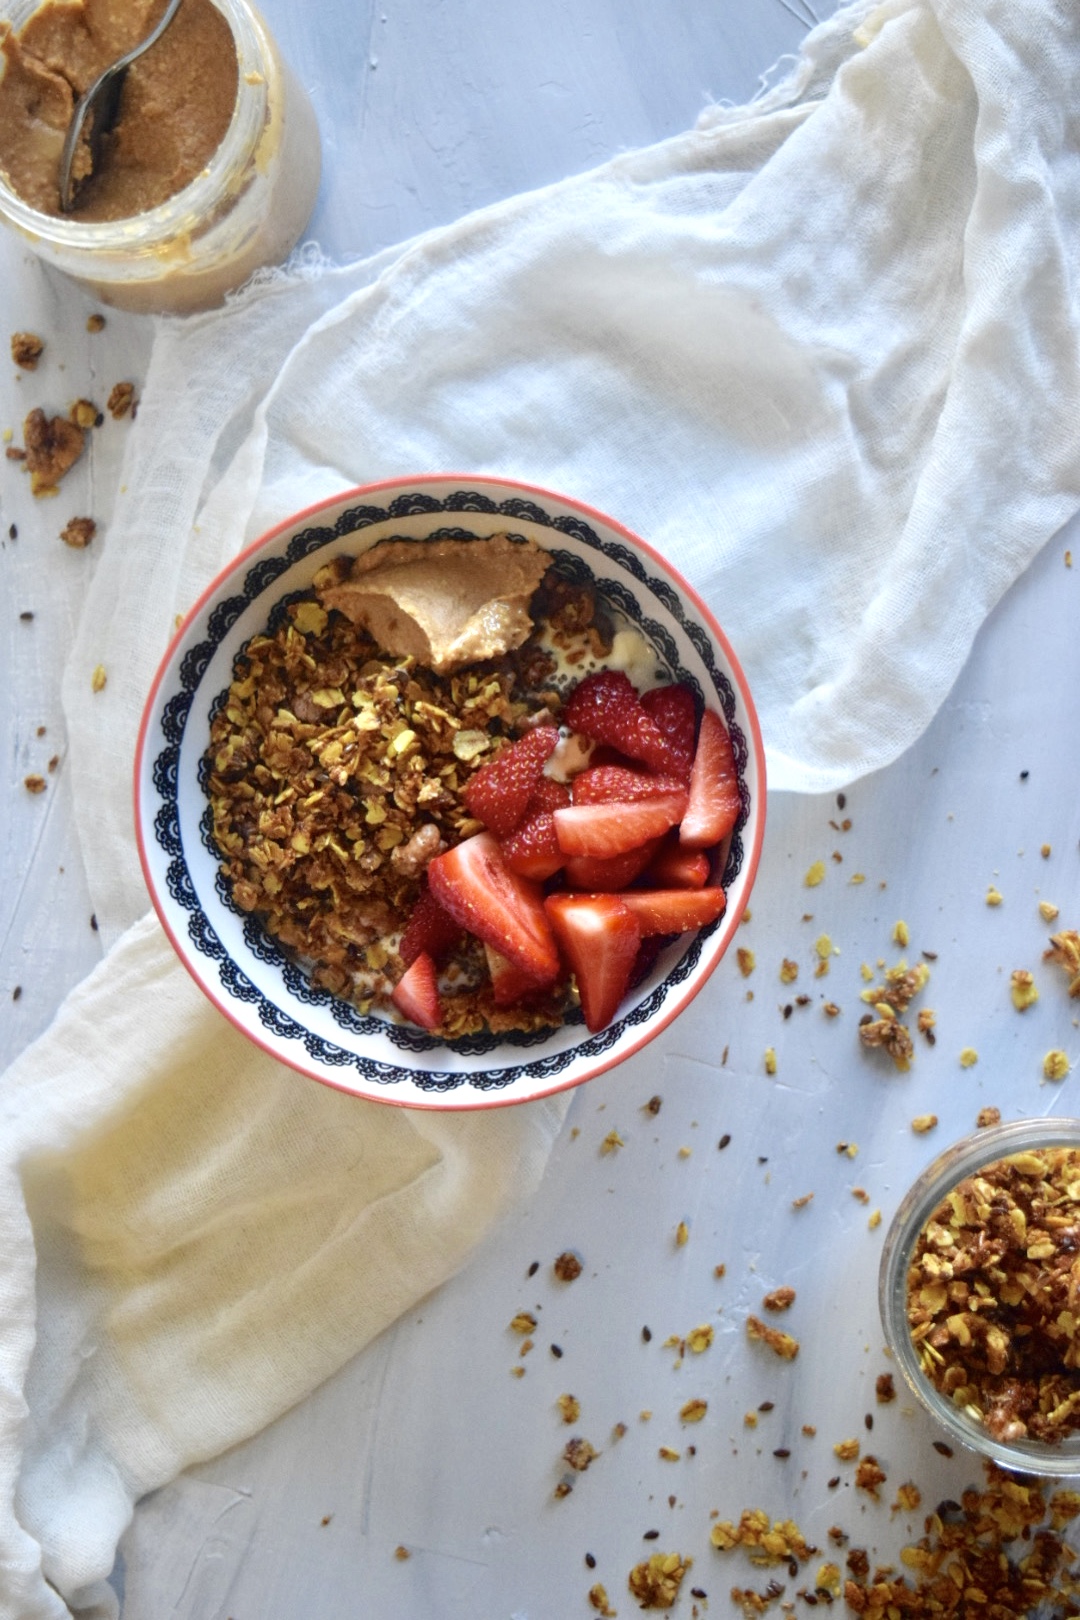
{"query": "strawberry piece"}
(509, 983)
(644, 962)
(605, 784)
(500, 790)
(714, 787)
(606, 708)
(474, 884)
(677, 868)
(674, 911)
(532, 849)
(609, 829)
(675, 714)
(600, 938)
(416, 994)
(608, 873)
(430, 930)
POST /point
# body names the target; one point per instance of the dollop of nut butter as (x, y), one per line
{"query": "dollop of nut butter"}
(443, 602)
(176, 106)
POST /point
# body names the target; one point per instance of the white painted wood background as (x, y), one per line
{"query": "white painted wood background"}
(426, 1440)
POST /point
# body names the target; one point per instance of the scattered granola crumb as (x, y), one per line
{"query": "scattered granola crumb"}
(780, 1299)
(720, 1270)
(1068, 559)
(567, 1266)
(655, 1584)
(750, 1420)
(685, 1152)
(789, 971)
(923, 1123)
(1048, 911)
(667, 1454)
(815, 875)
(700, 1338)
(900, 934)
(121, 400)
(968, 1057)
(1023, 990)
(831, 1010)
(562, 1489)
(767, 1544)
(926, 1023)
(1045, 851)
(1055, 1065)
(781, 1344)
(846, 1450)
(599, 1599)
(570, 1407)
(34, 783)
(809, 1429)
(874, 1220)
(52, 449)
(78, 532)
(653, 1106)
(400, 1553)
(884, 1388)
(886, 1031)
(994, 897)
(682, 1235)
(523, 1323)
(801, 1203)
(857, 877)
(770, 1060)
(95, 322)
(612, 1143)
(746, 960)
(578, 1453)
(85, 414)
(987, 1116)
(908, 1498)
(1065, 951)
(517, 1371)
(26, 349)
(694, 1411)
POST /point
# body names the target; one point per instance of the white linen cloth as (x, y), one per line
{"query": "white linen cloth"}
(822, 351)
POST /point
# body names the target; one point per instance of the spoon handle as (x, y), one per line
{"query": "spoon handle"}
(103, 94)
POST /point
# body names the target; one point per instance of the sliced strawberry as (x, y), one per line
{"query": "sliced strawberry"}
(605, 784)
(499, 792)
(674, 911)
(474, 884)
(714, 787)
(606, 708)
(608, 873)
(430, 929)
(675, 714)
(548, 795)
(416, 994)
(609, 829)
(648, 951)
(677, 868)
(600, 938)
(532, 849)
(509, 983)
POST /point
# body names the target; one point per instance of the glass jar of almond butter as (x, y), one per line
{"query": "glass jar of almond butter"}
(212, 170)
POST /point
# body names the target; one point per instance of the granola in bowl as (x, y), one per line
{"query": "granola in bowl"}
(310, 802)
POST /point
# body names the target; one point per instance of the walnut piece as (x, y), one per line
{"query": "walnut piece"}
(53, 446)
(26, 349)
(78, 532)
(121, 399)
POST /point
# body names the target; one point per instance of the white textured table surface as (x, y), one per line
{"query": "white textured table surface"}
(426, 1441)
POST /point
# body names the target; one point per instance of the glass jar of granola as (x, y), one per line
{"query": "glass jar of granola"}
(243, 207)
(979, 1293)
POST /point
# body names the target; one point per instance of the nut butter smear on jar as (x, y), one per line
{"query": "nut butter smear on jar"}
(176, 106)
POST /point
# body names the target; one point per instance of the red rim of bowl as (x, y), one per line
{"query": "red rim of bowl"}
(731, 920)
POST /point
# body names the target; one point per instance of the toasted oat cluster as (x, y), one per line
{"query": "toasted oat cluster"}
(336, 774)
(994, 1295)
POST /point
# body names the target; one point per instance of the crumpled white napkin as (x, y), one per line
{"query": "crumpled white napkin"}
(823, 352)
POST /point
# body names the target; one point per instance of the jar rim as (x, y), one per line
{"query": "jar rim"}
(964, 1158)
(187, 210)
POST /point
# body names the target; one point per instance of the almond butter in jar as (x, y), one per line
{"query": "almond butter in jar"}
(219, 187)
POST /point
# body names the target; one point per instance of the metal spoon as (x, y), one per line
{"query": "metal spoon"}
(96, 113)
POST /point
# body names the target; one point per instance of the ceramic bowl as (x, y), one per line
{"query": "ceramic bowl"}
(243, 971)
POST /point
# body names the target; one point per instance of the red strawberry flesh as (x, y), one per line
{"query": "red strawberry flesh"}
(674, 867)
(611, 829)
(606, 784)
(474, 884)
(605, 707)
(674, 712)
(429, 929)
(608, 873)
(600, 938)
(416, 994)
(500, 791)
(714, 787)
(674, 911)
